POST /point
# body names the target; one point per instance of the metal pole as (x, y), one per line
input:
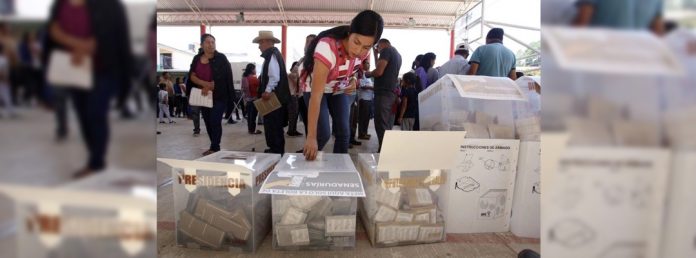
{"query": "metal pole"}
(515, 39)
(513, 26)
(451, 54)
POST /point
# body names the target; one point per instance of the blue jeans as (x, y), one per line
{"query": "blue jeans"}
(212, 117)
(339, 107)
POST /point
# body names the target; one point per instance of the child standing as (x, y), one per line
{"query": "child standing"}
(163, 100)
(409, 101)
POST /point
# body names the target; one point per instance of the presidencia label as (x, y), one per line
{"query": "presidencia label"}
(234, 182)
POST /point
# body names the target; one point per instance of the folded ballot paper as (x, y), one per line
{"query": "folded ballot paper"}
(198, 100)
(267, 106)
(63, 73)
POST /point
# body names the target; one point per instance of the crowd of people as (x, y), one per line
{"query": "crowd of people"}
(331, 89)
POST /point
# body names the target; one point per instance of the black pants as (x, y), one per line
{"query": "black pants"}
(293, 113)
(92, 111)
(251, 119)
(302, 108)
(273, 124)
(172, 103)
(364, 108)
(212, 117)
(383, 106)
(196, 117)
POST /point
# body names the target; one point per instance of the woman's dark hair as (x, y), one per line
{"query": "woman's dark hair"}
(178, 80)
(416, 62)
(249, 69)
(203, 37)
(411, 79)
(366, 23)
(427, 61)
(162, 86)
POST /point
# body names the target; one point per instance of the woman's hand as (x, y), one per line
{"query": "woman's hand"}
(350, 89)
(311, 148)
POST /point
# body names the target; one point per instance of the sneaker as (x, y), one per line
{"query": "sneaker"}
(172, 122)
(196, 133)
(257, 132)
(231, 122)
(356, 143)
(364, 137)
(161, 122)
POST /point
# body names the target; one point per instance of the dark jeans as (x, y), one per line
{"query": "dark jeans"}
(251, 120)
(364, 108)
(383, 107)
(182, 106)
(212, 117)
(60, 100)
(293, 114)
(92, 109)
(353, 116)
(302, 107)
(273, 124)
(339, 106)
(196, 117)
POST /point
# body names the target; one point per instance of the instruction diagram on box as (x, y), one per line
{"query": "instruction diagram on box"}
(466, 184)
(492, 204)
(503, 164)
(571, 233)
(607, 203)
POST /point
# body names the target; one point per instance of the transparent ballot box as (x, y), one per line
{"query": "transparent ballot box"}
(314, 203)
(403, 210)
(482, 106)
(216, 200)
(109, 214)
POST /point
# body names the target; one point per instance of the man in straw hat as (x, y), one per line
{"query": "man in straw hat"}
(273, 79)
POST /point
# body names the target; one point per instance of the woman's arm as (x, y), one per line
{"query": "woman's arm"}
(85, 46)
(321, 71)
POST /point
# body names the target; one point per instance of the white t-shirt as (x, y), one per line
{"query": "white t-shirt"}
(162, 96)
(329, 51)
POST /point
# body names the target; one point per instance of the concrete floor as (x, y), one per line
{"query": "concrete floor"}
(30, 155)
(176, 141)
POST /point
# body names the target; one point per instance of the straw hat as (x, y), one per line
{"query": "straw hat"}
(265, 34)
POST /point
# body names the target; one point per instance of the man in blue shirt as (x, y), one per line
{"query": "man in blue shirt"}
(493, 59)
(621, 14)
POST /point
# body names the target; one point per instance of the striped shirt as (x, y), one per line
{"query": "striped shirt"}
(329, 51)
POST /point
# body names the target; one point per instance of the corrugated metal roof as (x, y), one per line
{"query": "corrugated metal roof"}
(435, 14)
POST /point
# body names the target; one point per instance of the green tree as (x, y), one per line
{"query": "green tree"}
(531, 58)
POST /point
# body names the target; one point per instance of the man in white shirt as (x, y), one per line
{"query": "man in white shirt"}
(273, 79)
(458, 64)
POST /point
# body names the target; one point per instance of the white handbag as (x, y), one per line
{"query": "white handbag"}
(63, 73)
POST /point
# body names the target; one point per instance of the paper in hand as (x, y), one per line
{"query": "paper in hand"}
(267, 106)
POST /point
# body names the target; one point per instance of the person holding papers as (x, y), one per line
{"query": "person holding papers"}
(331, 61)
(273, 81)
(90, 32)
(212, 73)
